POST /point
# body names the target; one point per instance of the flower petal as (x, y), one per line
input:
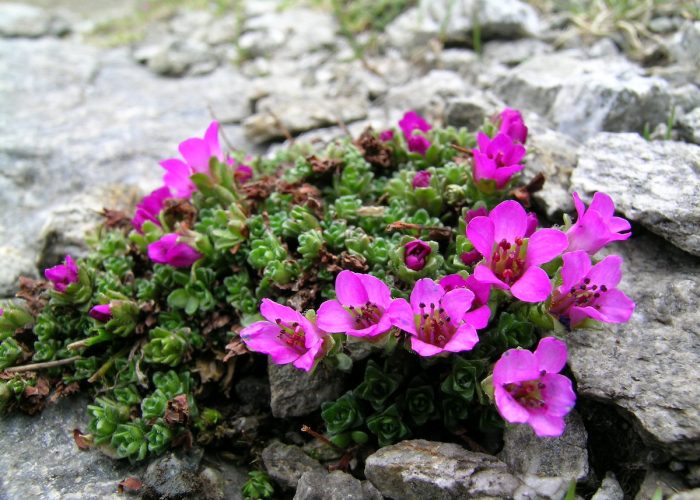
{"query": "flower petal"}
(544, 245)
(456, 303)
(515, 365)
(615, 306)
(533, 286)
(503, 174)
(509, 221)
(401, 316)
(307, 360)
(479, 317)
(464, 339)
(484, 274)
(546, 425)
(574, 269)
(349, 289)
(607, 272)
(377, 291)
(603, 204)
(424, 349)
(333, 318)
(509, 408)
(263, 337)
(211, 139)
(426, 292)
(551, 355)
(196, 154)
(272, 311)
(480, 232)
(558, 394)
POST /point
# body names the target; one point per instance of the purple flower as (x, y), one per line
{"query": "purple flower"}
(102, 312)
(435, 318)
(511, 261)
(512, 125)
(196, 153)
(589, 291)
(532, 223)
(479, 312)
(421, 179)
(150, 207)
(412, 121)
(62, 275)
(360, 310)
(1, 311)
(168, 251)
(497, 159)
(475, 212)
(471, 257)
(529, 389)
(597, 226)
(286, 336)
(243, 173)
(415, 254)
(418, 144)
(386, 135)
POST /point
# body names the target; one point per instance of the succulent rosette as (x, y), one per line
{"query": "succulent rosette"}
(511, 259)
(286, 336)
(528, 387)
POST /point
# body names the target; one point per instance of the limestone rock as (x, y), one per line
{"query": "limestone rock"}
(648, 367)
(420, 469)
(295, 393)
(583, 95)
(21, 20)
(689, 125)
(454, 22)
(610, 489)
(286, 463)
(320, 485)
(16, 264)
(427, 95)
(653, 183)
(513, 52)
(655, 479)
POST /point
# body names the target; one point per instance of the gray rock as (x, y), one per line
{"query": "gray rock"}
(20, 20)
(689, 125)
(419, 469)
(427, 95)
(660, 191)
(473, 110)
(648, 367)
(286, 463)
(39, 458)
(320, 485)
(174, 475)
(16, 264)
(174, 57)
(295, 393)
(513, 52)
(610, 489)
(582, 96)
(693, 475)
(686, 44)
(301, 111)
(686, 495)
(565, 457)
(655, 479)
(454, 21)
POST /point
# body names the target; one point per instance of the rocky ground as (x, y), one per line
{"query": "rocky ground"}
(83, 126)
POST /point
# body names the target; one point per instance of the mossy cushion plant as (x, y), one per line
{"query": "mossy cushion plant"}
(414, 241)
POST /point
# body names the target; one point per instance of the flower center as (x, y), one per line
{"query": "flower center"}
(292, 335)
(528, 393)
(434, 326)
(508, 260)
(365, 316)
(582, 295)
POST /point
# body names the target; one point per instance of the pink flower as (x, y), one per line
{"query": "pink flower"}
(168, 251)
(589, 291)
(511, 261)
(597, 226)
(435, 318)
(479, 312)
(529, 389)
(416, 253)
(421, 179)
(286, 336)
(512, 125)
(243, 174)
(360, 310)
(150, 207)
(412, 121)
(475, 212)
(386, 135)
(497, 159)
(532, 223)
(102, 312)
(418, 144)
(196, 153)
(62, 275)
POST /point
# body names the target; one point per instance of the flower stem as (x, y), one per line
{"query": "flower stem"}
(41, 366)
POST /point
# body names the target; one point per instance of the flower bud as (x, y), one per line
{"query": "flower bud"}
(102, 312)
(416, 253)
(421, 179)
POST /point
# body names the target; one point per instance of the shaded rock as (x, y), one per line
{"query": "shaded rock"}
(174, 475)
(649, 366)
(473, 110)
(689, 125)
(686, 495)
(16, 263)
(419, 469)
(610, 489)
(39, 458)
(301, 111)
(565, 457)
(21, 20)
(286, 463)
(254, 391)
(320, 485)
(686, 44)
(295, 392)
(655, 479)
(514, 52)
(660, 192)
(582, 96)
(427, 95)
(454, 21)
